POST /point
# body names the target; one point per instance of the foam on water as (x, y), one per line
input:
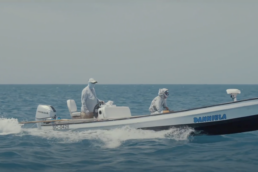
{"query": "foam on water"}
(111, 138)
(9, 126)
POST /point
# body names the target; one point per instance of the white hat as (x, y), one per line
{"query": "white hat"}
(92, 80)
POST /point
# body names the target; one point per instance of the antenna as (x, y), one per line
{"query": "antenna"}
(233, 93)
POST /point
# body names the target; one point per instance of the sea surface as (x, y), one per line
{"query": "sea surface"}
(123, 149)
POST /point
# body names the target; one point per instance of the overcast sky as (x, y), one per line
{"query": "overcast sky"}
(129, 42)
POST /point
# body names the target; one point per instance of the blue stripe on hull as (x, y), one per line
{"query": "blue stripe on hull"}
(231, 126)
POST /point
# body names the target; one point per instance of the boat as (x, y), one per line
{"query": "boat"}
(220, 119)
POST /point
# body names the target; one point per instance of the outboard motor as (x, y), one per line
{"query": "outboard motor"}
(233, 93)
(45, 112)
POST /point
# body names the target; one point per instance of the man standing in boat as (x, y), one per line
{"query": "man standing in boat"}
(159, 103)
(89, 99)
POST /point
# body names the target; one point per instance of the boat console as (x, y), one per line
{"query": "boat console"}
(110, 111)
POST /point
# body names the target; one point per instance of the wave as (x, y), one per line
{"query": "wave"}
(112, 138)
(107, 138)
(9, 126)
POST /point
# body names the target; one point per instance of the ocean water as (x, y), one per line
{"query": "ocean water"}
(122, 149)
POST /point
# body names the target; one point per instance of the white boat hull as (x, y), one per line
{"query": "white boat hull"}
(225, 118)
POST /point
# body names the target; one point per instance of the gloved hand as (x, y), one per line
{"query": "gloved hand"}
(101, 102)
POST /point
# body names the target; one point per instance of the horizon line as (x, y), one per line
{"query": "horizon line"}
(129, 84)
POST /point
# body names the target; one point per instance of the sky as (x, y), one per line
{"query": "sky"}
(129, 41)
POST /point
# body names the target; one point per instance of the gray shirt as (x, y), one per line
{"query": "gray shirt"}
(89, 99)
(158, 104)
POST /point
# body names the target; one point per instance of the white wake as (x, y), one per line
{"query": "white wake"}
(108, 138)
(9, 126)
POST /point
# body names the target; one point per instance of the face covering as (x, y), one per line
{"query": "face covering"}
(162, 93)
(91, 85)
(166, 94)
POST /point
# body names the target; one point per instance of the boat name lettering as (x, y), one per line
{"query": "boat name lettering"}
(210, 118)
(60, 127)
(43, 112)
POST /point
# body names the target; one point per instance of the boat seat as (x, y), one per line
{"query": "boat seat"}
(75, 114)
(73, 108)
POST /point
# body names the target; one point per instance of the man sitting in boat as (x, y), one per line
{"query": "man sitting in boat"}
(89, 99)
(159, 103)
